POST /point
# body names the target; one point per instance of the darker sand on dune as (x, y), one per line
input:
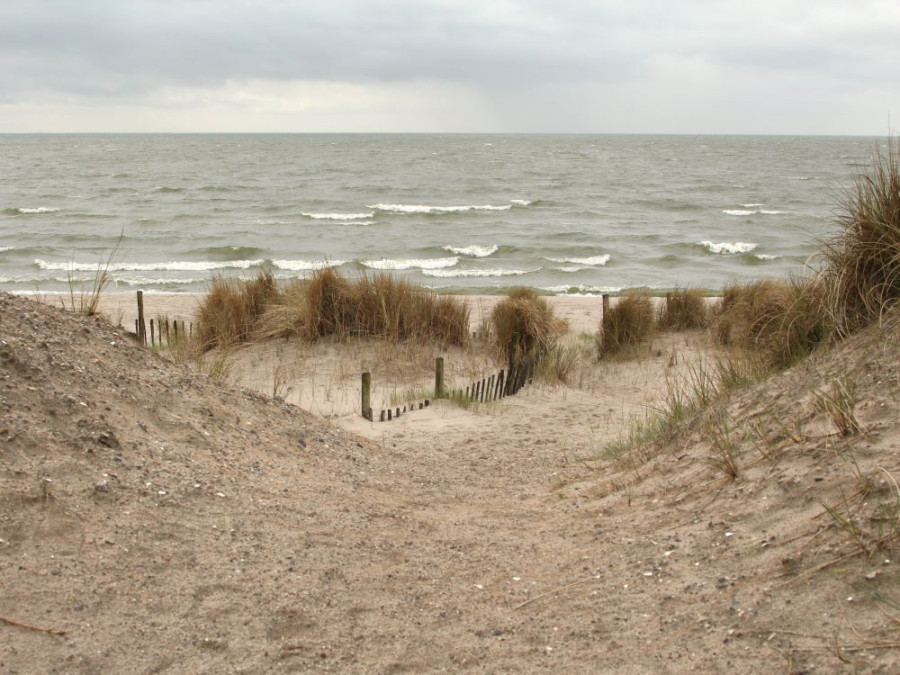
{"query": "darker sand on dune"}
(153, 519)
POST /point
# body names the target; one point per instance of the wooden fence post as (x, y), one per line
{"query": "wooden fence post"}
(152, 335)
(142, 326)
(367, 395)
(605, 300)
(512, 350)
(439, 377)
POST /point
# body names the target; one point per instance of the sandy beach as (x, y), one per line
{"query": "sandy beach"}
(156, 518)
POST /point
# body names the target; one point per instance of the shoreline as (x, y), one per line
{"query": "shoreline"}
(582, 312)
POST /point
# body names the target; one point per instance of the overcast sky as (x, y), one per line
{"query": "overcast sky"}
(606, 66)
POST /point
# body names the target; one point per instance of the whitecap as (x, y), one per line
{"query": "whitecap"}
(172, 266)
(306, 265)
(423, 264)
(474, 251)
(753, 212)
(144, 281)
(425, 209)
(337, 216)
(521, 202)
(581, 290)
(727, 248)
(766, 256)
(596, 260)
(39, 209)
(454, 274)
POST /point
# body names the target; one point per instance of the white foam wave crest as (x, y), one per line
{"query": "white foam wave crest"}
(474, 251)
(39, 209)
(423, 208)
(766, 256)
(306, 265)
(6, 248)
(424, 264)
(591, 261)
(728, 248)
(338, 216)
(145, 281)
(581, 290)
(173, 266)
(456, 274)
(753, 212)
(521, 202)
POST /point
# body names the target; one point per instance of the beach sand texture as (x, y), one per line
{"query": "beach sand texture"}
(156, 519)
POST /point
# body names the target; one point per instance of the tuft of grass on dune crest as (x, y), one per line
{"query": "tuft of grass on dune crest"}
(684, 309)
(229, 312)
(862, 263)
(627, 323)
(526, 321)
(328, 305)
(782, 321)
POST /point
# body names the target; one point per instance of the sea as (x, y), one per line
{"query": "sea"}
(563, 214)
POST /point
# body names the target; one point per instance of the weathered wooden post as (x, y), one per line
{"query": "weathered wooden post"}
(512, 349)
(152, 335)
(367, 395)
(439, 377)
(605, 300)
(142, 326)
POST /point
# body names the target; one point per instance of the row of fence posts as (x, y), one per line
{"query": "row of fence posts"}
(160, 330)
(507, 382)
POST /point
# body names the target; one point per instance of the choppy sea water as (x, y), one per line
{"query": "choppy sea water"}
(460, 213)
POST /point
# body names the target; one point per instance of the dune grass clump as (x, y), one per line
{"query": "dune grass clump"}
(526, 314)
(329, 305)
(627, 323)
(230, 311)
(683, 310)
(525, 322)
(862, 263)
(784, 321)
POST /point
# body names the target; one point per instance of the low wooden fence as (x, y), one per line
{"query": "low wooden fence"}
(162, 332)
(506, 382)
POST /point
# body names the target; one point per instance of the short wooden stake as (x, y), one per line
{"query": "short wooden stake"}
(439, 377)
(367, 395)
(142, 326)
(500, 390)
(382, 415)
(152, 334)
(605, 301)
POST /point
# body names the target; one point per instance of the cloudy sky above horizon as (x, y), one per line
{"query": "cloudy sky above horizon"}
(620, 66)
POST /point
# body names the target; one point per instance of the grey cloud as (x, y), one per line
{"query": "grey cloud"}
(118, 45)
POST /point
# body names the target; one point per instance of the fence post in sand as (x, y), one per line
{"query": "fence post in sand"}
(142, 326)
(152, 334)
(439, 377)
(605, 300)
(512, 349)
(367, 395)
